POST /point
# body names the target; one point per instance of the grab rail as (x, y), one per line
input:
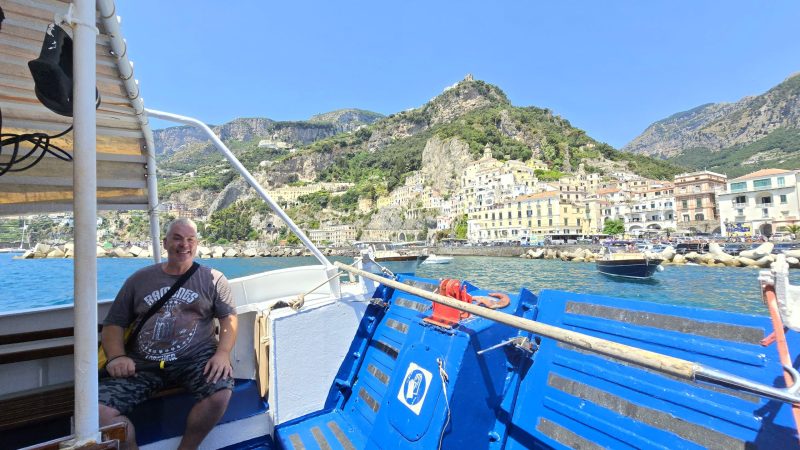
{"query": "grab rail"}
(678, 367)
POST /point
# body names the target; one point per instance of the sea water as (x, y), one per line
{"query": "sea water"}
(36, 283)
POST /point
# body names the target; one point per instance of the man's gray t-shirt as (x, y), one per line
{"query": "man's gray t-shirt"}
(184, 326)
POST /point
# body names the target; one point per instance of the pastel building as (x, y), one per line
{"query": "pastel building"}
(696, 200)
(760, 203)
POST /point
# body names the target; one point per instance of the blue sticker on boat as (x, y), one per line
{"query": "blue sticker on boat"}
(415, 387)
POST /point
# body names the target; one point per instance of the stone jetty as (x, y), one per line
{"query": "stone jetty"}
(760, 257)
(68, 251)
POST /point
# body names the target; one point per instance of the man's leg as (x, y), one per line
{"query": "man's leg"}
(110, 416)
(202, 418)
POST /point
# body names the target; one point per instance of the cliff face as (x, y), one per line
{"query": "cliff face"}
(721, 126)
(443, 162)
(175, 139)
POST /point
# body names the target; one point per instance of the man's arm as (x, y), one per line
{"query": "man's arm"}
(113, 340)
(219, 366)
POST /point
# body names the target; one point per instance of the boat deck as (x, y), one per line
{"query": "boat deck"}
(558, 396)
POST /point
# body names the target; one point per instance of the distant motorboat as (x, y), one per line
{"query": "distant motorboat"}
(436, 259)
(386, 255)
(628, 264)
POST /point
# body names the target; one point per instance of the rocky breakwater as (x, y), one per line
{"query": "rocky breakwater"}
(760, 257)
(68, 251)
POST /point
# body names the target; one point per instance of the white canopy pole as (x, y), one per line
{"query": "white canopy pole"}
(110, 22)
(85, 209)
(247, 176)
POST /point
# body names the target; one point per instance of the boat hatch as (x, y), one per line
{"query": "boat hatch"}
(569, 395)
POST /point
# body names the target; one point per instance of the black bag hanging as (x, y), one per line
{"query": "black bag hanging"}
(52, 72)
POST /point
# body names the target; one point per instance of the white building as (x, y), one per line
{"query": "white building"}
(650, 210)
(761, 202)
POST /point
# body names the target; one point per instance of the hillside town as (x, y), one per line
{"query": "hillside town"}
(505, 202)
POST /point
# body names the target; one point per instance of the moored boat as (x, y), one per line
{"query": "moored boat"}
(628, 264)
(382, 255)
(437, 259)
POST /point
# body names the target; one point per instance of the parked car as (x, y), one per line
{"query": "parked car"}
(783, 247)
(734, 248)
(780, 237)
(657, 248)
(687, 247)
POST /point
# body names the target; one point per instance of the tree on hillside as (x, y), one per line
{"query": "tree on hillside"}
(460, 227)
(613, 227)
(229, 224)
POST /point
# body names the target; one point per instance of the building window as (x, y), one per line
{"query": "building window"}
(766, 200)
(685, 217)
(699, 202)
(764, 212)
(740, 200)
(781, 182)
(550, 222)
(783, 199)
(765, 183)
(739, 187)
(698, 217)
(539, 222)
(578, 222)
(685, 203)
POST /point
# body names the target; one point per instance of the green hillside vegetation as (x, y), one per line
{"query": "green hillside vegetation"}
(390, 165)
(781, 149)
(211, 170)
(558, 140)
(367, 116)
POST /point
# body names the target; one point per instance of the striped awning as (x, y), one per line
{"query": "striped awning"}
(121, 143)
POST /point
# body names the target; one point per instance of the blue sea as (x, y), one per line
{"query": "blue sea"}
(36, 283)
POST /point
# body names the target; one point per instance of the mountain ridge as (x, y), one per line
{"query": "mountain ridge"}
(743, 128)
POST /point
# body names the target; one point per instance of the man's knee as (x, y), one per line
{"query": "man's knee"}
(108, 415)
(219, 399)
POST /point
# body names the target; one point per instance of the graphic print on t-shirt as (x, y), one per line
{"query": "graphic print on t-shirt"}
(172, 328)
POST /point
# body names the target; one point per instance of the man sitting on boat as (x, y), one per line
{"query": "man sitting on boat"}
(176, 345)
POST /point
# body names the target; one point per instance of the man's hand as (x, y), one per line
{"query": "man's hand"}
(218, 367)
(121, 367)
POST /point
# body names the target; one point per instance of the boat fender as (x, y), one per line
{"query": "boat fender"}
(660, 268)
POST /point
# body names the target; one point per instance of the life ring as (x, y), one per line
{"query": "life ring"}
(502, 302)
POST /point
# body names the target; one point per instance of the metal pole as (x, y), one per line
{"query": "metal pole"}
(85, 214)
(250, 179)
(663, 363)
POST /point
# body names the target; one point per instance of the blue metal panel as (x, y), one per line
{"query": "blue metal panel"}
(573, 398)
(165, 417)
(398, 398)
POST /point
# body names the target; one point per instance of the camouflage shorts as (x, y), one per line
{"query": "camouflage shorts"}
(123, 394)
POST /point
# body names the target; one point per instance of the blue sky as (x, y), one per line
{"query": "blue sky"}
(610, 68)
